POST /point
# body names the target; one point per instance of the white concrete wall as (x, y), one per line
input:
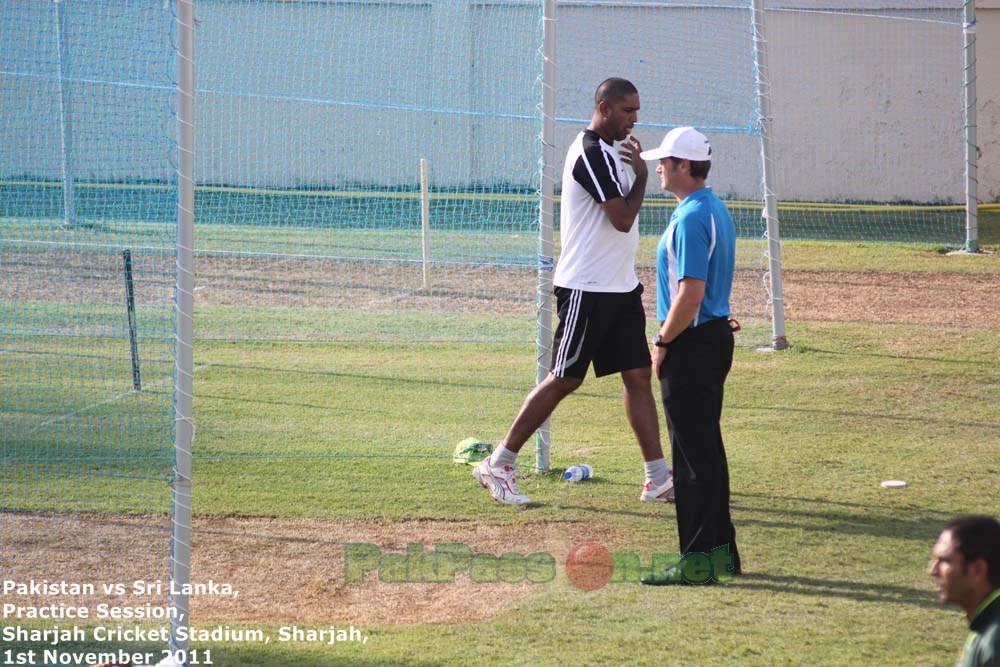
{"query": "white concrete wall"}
(988, 93)
(342, 94)
(866, 108)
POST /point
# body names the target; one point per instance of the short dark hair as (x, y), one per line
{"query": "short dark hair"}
(613, 90)
(978, 538)
(699, 168)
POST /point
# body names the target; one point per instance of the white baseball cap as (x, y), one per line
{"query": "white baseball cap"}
(685, 143)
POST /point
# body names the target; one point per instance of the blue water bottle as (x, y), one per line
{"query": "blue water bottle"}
(578, 473)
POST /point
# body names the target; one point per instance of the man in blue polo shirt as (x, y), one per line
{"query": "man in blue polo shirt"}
(695, 262)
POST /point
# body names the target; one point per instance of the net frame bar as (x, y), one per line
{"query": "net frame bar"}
(180, 539)
(65, 116)
(971, 149)
(762, 83)
(546, 222)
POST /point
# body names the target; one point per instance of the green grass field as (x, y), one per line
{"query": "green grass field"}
(835, 564)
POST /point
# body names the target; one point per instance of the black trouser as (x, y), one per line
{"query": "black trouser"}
(691, 380)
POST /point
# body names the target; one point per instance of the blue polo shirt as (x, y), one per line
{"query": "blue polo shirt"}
(699, 242)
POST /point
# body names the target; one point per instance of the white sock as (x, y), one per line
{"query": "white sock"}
(502, 456)
(657, 471)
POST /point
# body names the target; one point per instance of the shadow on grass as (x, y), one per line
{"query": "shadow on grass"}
(873, 416)
(230, 654)
(598, 510)
(858, 591)
(520, 387)
(929, 521)
(258, 657)
(919, 529)
(974, 363)
(866, 508)
(868, 521)
(839, 517)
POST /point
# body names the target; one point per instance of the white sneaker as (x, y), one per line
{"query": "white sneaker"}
(500, 483)
(658, 494)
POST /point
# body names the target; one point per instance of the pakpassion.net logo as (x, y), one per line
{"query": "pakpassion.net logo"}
(589, 565)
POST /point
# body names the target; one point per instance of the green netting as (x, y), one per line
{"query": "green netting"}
(869, 119)
(325, 295)
(87, 90)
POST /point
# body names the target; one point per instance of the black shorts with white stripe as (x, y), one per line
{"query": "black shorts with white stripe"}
(607, 329)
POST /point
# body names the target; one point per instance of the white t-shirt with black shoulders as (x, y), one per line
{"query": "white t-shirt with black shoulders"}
(595, 256)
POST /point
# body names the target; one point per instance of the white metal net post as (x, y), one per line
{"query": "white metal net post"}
(180, 552)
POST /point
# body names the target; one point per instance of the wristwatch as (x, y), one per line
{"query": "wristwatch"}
(659, 342)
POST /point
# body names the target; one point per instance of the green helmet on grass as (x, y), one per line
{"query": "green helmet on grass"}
(471, 451)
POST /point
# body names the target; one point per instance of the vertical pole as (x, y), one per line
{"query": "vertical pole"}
(763, 86)
(971, 149)
(130, 311)
(425, 216)
(546, 221)
(180, 557)
(65, 117)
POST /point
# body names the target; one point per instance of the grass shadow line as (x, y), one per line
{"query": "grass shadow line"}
(857, 591)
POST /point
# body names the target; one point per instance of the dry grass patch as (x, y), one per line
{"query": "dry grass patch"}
(293, 570)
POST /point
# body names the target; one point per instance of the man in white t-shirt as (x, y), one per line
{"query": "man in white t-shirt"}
(599, 297)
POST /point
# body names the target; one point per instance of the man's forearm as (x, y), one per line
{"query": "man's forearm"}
(681, 314)
(637, 194)
(624, 211)
(683, 310)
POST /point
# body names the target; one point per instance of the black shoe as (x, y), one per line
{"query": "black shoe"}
(672, 576)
